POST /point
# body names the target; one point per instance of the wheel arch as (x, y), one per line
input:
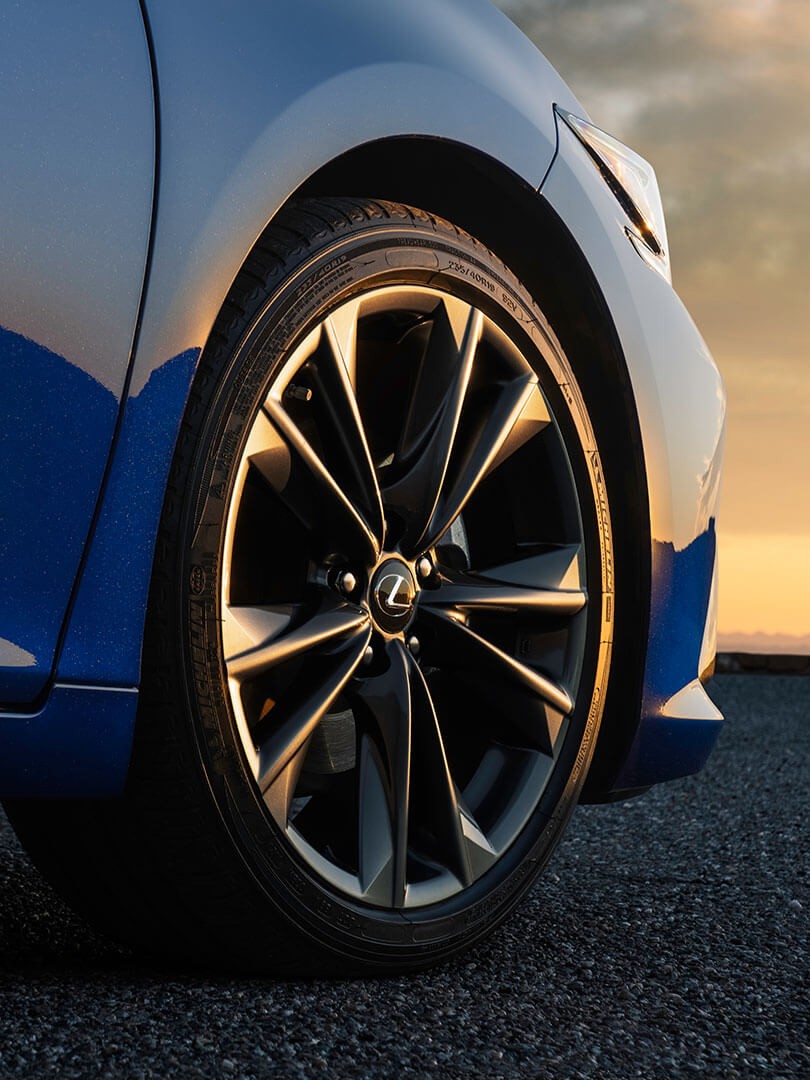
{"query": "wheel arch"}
(506, 213)
(517, 224)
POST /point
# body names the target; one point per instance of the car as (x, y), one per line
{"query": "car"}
(359, 469)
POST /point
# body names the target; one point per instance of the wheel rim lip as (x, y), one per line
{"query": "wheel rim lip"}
(443, 886)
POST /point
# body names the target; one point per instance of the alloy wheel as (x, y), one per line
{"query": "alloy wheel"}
(402, 599)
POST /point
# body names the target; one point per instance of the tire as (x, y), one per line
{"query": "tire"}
(354, 751)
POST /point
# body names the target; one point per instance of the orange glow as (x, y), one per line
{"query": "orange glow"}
(716, 95)
(764, 592)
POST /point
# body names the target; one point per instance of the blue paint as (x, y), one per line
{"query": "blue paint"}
(78, 137)
(665, 748)
(77, 227)
(103, 642)
(77, 745)
(56, 424)
(681, 582)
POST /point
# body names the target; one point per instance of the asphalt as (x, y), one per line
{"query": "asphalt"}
(668, 938)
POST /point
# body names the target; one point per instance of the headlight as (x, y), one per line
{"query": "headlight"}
(632, 180)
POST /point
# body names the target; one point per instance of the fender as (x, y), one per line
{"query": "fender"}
(668, 362)
(251, 104)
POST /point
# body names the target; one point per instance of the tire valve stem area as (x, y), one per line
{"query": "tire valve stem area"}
(295, 392)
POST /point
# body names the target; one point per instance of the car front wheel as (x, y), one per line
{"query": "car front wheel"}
(378, 636)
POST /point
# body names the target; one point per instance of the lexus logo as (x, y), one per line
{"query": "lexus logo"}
(395, 593)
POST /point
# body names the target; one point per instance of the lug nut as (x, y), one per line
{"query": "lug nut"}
(346, 582)
(368, 656)
(424, 567)
(414, 647)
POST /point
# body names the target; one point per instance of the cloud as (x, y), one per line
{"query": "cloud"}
(716, 94)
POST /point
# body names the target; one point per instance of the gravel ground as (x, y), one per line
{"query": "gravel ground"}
(668, 938)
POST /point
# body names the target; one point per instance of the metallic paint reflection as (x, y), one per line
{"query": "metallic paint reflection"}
(681, 405)
(77, 137)
(253, 100)
(251, 87)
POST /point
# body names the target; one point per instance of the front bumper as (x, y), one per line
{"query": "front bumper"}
(681, 405)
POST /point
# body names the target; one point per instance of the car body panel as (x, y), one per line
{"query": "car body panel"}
(279, 92)
(77, 130)
(78, 744)
(253, 100)
(681, 406)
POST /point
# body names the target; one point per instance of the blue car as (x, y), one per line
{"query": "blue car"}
(358, 474)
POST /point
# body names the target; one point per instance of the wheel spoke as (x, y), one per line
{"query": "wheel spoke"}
(480, 853)
(438, 373)
(267, 452)
(517, 414)
(469, 593)
(279, 793)
(439, 799)
(331, 368)
(245, 627)
(285, 730)
(559, 568)
(280, 643)
(384, 780)
(464, 648)
(431, 428)
(521, 720)
(305, 484)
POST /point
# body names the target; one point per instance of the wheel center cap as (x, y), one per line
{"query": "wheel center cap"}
(392, 595)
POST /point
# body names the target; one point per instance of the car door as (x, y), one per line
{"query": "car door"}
(77, 153)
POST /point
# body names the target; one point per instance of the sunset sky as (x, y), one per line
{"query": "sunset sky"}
(716, 94)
